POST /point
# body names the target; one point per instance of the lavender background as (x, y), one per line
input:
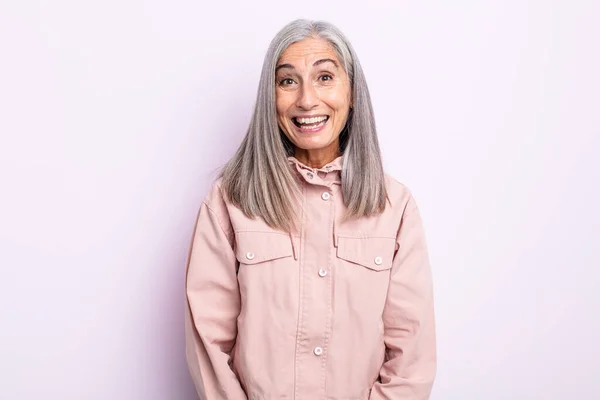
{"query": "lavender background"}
(115, 115)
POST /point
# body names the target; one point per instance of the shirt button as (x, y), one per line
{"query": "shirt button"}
(325, 196)
(378, 260)
(249, 256)
(322, 272)
(318, 351)
(309, 175)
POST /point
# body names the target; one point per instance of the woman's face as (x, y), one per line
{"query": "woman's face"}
(313, 98)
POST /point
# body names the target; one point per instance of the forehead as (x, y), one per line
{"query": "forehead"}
(307, 51)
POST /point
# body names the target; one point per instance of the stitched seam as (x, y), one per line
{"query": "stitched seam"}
(227, 233)
(364, 236)
(410, 212)
(301, 290)
(259, 231)
(328, 323)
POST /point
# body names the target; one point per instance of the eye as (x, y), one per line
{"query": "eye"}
(286, 82)
(326, 77)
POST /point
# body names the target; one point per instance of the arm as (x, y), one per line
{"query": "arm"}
(213, 305)
(408, 317)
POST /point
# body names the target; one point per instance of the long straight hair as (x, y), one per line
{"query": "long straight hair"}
(258, 178)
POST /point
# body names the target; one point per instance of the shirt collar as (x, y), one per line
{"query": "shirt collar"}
(335, 165)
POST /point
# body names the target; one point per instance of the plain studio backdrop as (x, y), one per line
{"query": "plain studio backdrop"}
(116, 115)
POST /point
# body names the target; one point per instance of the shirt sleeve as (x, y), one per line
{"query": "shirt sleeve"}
(409, 324)
(213, 305)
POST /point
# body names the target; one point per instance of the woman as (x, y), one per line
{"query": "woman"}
(308, 276)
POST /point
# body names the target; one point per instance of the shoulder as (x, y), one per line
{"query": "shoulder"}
(399, 195)
(216, 202)
(214, 197)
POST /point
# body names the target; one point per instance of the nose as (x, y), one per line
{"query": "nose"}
(308, 96)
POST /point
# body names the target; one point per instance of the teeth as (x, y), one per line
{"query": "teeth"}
(311, 120)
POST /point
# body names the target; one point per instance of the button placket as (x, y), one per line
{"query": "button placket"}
(316, 327)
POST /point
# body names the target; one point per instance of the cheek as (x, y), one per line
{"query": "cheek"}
(338, 100)
(279, 110)
(282, 104)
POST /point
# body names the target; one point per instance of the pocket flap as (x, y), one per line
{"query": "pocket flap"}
(375, 253)
(256, 247)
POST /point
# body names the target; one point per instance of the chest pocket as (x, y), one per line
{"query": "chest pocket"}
(374, 253)
(259, 247)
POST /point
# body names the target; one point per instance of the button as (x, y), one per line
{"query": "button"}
(378, 260)
(322, 272)
(328, 166)
(325, 196)
(318, 351)
(249, 256)
(309, 175)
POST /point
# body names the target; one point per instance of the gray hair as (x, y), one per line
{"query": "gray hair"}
(258, 178)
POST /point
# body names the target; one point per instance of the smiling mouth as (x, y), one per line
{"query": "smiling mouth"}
(310, 123)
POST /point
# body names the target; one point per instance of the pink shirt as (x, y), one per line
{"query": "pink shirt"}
(340, 310)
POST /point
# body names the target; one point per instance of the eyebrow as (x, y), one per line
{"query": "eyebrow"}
(316, 63)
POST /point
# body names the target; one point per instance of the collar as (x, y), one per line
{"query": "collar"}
(328, 175)
(335, 165)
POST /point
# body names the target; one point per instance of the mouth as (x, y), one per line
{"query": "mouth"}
(312, 124)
